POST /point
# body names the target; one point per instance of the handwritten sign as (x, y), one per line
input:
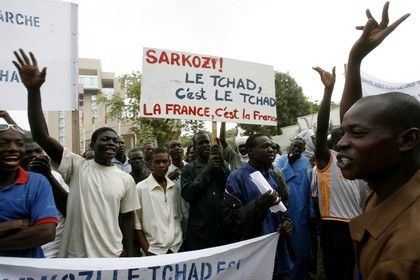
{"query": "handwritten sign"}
(180, 85)
(48, 28)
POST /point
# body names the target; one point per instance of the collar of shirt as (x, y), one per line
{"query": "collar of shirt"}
(174, 167)
(114, 160)
(287, 169)
(22, 178)
(153, 184)
(379, 215)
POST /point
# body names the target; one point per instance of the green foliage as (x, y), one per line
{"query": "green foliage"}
(186, 140)
(190, 127)
(291, 103)
(125, 105)
(254, 128)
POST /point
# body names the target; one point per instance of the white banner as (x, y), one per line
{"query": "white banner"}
(180, 85)
(251, 259)
(373, 86)
(47, 28)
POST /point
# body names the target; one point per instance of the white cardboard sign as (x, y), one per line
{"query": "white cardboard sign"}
(47, 28)
(179, 85)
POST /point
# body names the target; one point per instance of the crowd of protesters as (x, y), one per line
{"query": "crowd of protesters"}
(357, 192)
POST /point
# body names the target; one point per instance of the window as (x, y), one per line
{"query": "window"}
(108, 92)
(61, 127)
(88, 81)
(94, 108)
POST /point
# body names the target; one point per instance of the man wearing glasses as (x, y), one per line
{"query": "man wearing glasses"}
(27, 210)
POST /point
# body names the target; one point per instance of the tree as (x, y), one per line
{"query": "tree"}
(125, 105)
(190, 127)
(291, 103)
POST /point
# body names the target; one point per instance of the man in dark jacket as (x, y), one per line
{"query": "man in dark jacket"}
(202, 185)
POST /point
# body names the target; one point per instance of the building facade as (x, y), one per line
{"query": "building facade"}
(73, 129)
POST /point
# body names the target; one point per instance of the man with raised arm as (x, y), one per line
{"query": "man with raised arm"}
(340, 200)
(381, 145)
(99, 191)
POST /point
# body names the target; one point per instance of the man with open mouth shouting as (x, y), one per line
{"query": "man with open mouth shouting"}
(27, 211)
(381, 145)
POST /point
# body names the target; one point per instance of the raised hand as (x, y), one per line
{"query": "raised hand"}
(327, 78)
(29, 72)
(374, 33)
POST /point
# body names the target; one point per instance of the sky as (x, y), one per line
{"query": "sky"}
(292, 36)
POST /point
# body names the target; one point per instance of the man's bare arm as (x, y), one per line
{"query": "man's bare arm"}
(142, 240)
(33, 79)
(322, 152)
(126, 221)
(372, 36)
(12, 226)
(30, 237)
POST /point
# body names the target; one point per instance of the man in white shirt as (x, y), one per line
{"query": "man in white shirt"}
(99, 191)
(158, 221)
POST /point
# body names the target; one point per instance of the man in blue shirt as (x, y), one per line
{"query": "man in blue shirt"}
(246, 212)
(120, 160)
(295, 167)
(27, 210)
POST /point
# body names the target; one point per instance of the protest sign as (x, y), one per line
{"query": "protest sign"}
(180, 85)
(47, 28)
(250, 259)
(373, 86)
